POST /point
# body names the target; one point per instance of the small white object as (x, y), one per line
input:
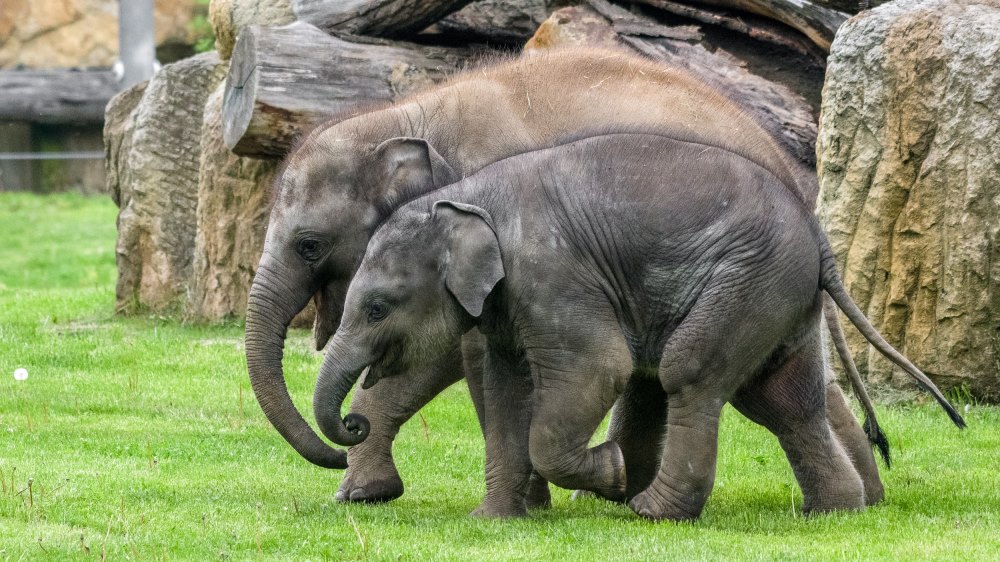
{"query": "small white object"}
(20, 374)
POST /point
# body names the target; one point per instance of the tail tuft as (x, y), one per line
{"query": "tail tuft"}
(878, 440)
(954, 415)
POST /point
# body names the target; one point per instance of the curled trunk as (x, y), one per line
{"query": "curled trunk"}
(270, 308)
(336, 379)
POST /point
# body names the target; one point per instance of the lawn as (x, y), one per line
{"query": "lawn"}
(138, 438)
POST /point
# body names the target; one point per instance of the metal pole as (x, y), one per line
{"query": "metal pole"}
(136, 44)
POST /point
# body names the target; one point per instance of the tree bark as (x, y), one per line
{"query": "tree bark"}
(283, 81)
(379, 18)
(815, 21)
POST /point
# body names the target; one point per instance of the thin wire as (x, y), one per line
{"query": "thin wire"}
(85, 155)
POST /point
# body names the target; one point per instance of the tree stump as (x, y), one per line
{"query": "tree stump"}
(909, 162)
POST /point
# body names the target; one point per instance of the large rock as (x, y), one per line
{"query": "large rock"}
(233, 204)
(909, 162)
(154, 179)
(78, 33)
(230, 17)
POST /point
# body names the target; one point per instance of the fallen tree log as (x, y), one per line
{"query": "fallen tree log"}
(285, 80)
(56, 96)
(379, 18)
(815, 21)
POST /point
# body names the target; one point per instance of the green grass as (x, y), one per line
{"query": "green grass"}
(139, 439)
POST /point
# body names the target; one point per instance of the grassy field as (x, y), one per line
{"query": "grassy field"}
(139, 439)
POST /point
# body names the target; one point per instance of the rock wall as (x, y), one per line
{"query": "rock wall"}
(78, 33)
(909, 164)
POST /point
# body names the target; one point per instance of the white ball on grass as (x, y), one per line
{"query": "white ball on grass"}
(20, 374)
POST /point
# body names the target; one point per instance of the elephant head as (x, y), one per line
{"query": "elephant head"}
(331, 194)
(424, 280)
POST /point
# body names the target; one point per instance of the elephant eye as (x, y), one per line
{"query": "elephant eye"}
(309, 248)
(377, 310)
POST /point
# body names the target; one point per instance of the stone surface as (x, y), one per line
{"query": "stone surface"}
(575, 25)
(230, 17)
(231, 222)
(77, 33)
(153, 176)
(909, 162)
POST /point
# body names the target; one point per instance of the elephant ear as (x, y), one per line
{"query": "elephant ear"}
(411, 165)
(473, 265)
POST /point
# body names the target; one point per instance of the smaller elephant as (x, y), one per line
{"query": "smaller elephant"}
(610, 258)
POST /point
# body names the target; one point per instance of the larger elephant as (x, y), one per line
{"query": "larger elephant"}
(346, 176)
(618, 256)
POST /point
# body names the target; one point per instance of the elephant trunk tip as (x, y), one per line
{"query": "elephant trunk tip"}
(358, 426)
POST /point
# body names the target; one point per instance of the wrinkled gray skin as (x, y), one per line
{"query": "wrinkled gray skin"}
(614, 258)
(335, 185)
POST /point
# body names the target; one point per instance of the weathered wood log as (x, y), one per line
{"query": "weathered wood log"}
(624, 22)
(815, 21)
(755, 27)
(503, 21)
(283, 81)
(379, 18)
(56, 96)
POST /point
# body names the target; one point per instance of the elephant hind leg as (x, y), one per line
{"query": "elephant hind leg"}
(855, 441)
(791, 402)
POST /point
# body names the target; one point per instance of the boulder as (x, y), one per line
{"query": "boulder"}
(154, 180)
(230, 17)
(909, 169)
(119, 122)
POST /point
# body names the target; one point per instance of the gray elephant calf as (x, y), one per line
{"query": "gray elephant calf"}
(347, 174)
(612, 257)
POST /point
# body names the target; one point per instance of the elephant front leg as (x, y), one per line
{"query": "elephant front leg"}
(506, 410)
(371, 472)
(574, 390)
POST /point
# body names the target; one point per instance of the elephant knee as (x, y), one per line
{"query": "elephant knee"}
(551, 457)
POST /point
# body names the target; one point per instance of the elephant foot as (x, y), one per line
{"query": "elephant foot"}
(652, 505)
(370, 486)
(851, 501)
(538, 496)
(587, 494)
(494, 509)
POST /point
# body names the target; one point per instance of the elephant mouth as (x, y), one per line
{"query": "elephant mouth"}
(389, 363)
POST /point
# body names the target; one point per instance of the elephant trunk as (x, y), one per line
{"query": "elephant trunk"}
(271, 307)
(336, 378)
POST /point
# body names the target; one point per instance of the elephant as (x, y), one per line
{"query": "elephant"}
(349, 173)
(612, 257)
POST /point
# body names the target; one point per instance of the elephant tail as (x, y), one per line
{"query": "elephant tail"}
(871, 426)
(831, 283)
